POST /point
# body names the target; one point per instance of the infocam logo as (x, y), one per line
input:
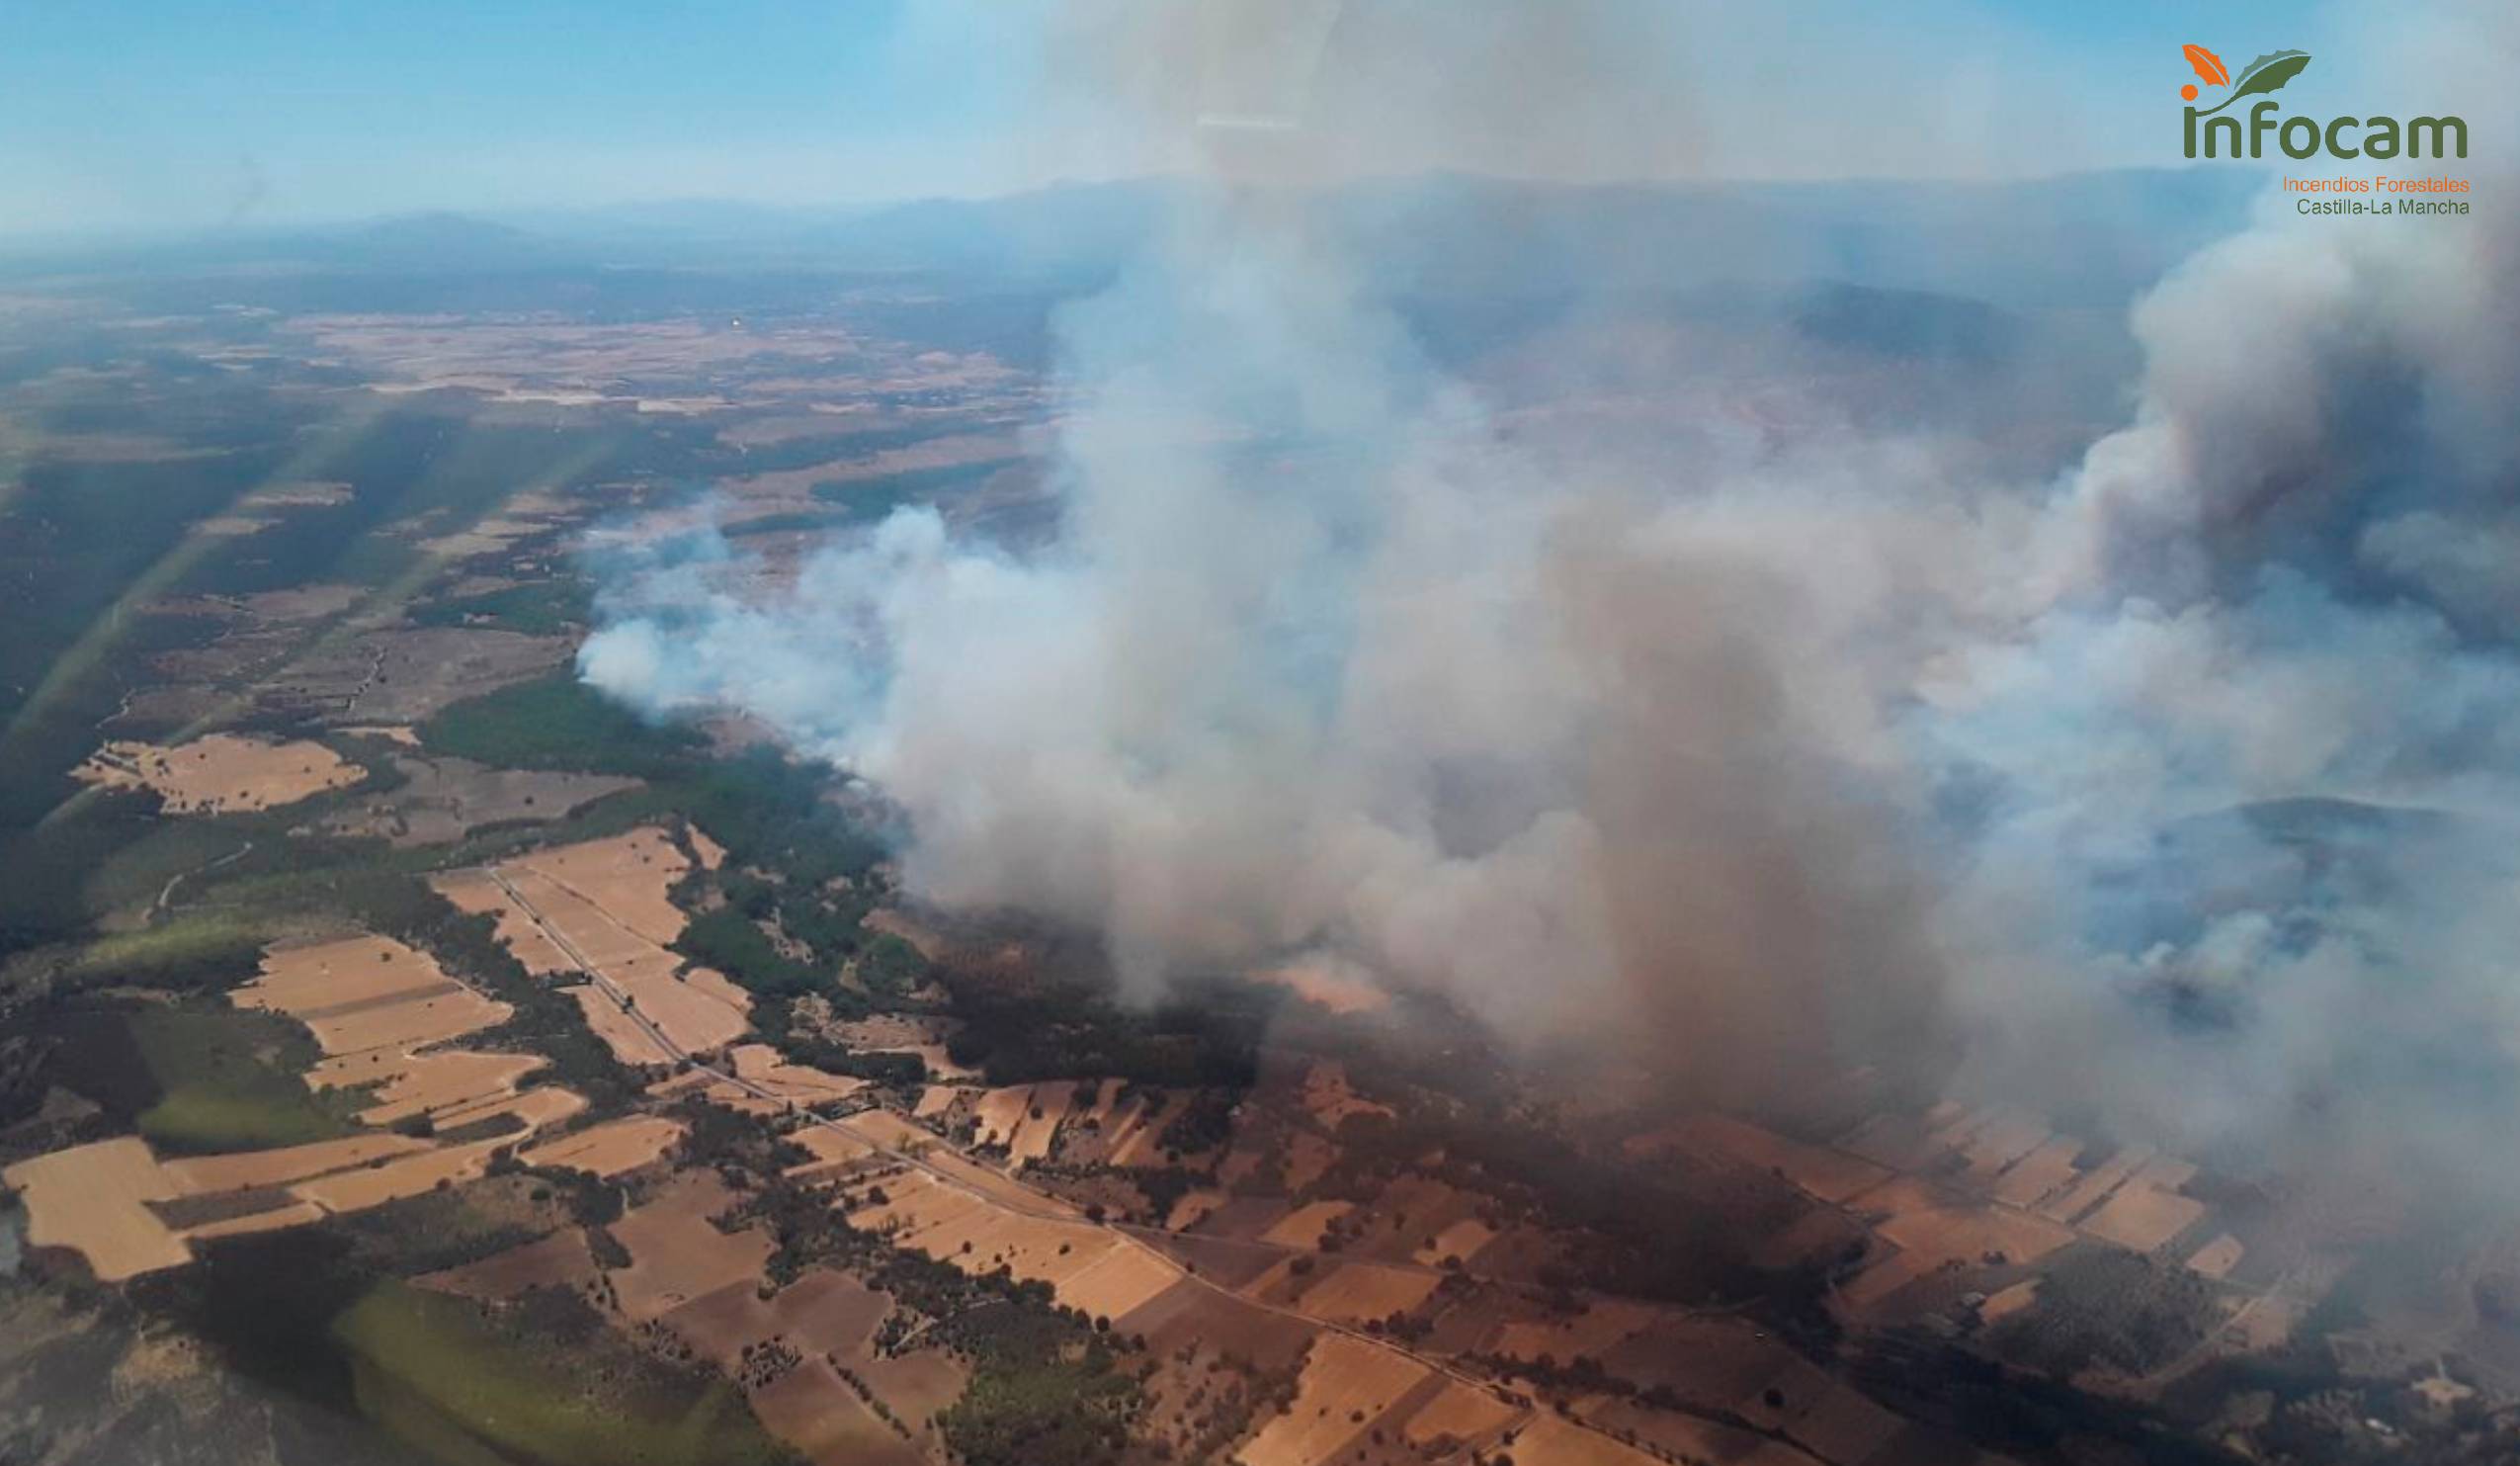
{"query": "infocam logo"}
(2222, 136)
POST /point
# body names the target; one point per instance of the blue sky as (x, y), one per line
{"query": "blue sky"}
(155, 114)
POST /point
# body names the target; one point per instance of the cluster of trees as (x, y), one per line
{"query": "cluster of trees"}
(1204, 1124)
(894, 1070)
(2107, 1305)
(1024, 1033)
(1044, 1390)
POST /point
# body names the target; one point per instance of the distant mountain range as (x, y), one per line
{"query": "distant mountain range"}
(2080, 241)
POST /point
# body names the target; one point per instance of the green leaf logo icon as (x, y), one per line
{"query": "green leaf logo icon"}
(2268, 73)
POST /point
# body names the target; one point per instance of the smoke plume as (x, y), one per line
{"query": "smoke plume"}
(2176, 790)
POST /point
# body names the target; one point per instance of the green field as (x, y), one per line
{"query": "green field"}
(438, 1373)
(560, 723)
(229, 1081)
(213, 949)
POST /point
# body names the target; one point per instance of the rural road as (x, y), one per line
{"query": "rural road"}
(166, 892)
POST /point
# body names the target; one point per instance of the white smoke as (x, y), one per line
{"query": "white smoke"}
(1768, 764)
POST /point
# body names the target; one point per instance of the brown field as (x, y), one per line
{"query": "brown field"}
(826, 1310)
(196, 1176)
(1125, 1278)
(475, 892)
(999, 1115)
(1689, 1439)
(560, 1260)
(348, 972)
(1308, 1159)
(1999, 1141)
(443, 799)
(408, 1176)
(2267, 1323)
(1193, 1208)
(1550, 1441)
(940, 1064)
(1343, 1378)
(1818, 1236)
(1189, 1316)
(1461, 1239)
(823, 1312)
(2096, 1184)
(1472, 1323)
(2218, 1258)
(1353, 1292)
(1303, 1227)
(630, 1043)
(294, 1214)
(1951, 1123)
(426, 1170)
(1935, 1226)
(1276, 1284)
(1243, 1217)
(721, 1326)
(368, 1001)
(1592, 1332)
(1328, 1098)
(222, 772)
(1138, 1129)
(677, 1253)
(1243, 1159)
(885, 1128)
(696, 1008)
(814, 1410)
(1819, 1171)
(1034, 1136)
(1221, 1260)
(918, 1203)
(1460, 1412)
(830, 1148)
(1106, 1099)
(402, 674)
(786, 374)
(936, 1099)
(2006, 1302)
(2041, 1173)
(826, 1316)
(901, 1033)
(1707, 1361)
(611, 1147)
(1899, 1142)
(404, 1022)
(367, 992)
(431, 1082)
(626, 876)
(1089, 1267)
(538, 1109)
(1881, 1280)
(916, 1385)
(1408, 1210)
(92, 1200)
(761, 1065)
(606, 902)
(1824, 1415)
(2148, 1211)
(791, 1085)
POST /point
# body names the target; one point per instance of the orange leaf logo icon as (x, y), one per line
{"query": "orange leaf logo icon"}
(2209, 66)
